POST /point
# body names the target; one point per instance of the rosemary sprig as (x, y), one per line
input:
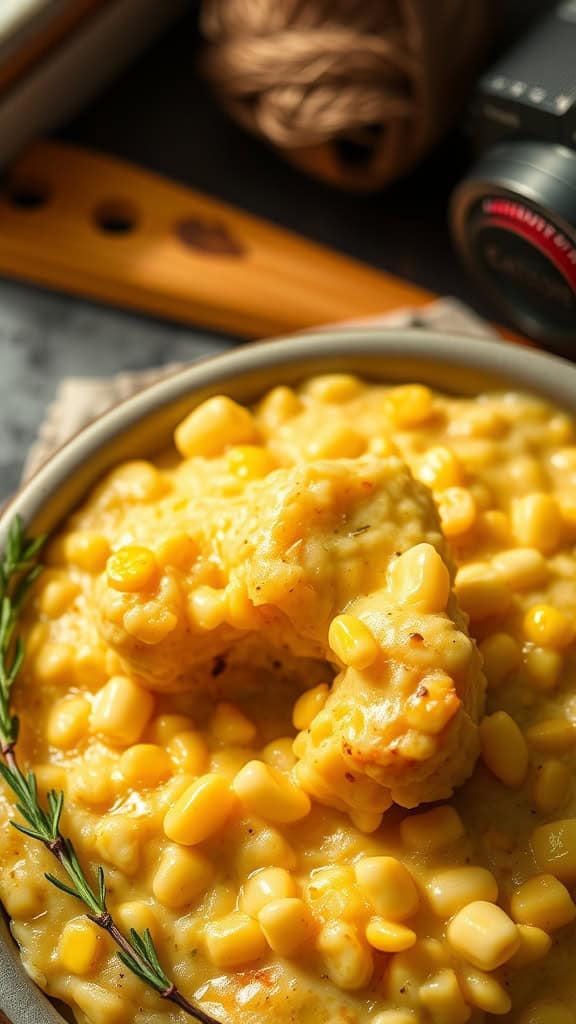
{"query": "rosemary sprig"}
(19, 568)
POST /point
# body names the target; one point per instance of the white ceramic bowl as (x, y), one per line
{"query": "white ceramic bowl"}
(142, 426)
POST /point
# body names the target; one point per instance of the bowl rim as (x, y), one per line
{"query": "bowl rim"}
(521, 368)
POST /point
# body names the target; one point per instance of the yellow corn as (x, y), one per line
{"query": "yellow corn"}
(118, 842)
(484, 992)
(311, 702)
(87, 549)
(54, 663)
(333, 388)
(262, 848)
(181, 877)
(264, 887)
(165, 726)
(81, 946)
(484, 935)
(419, 578)
(90, 669)
(458, 511)
(56, 595)
(394, 1017)
(501, 655)
(410, 404)
(207, 607)
(268, 793)
(68, 722)
(543, 902)
(278, 406)
(132, 569)
(136, 481)
(433, 704)
(234, 940)
(504, 749)
(202, 810)
(228, 761)
(439, 469)
(121, 711)
(287, 925)
(231, 727)
(177, 549)
(534, 945)
(536, 522)
(543, 667)
(213, 426)
(453, 888)
(546, 1011)
(250, 462)
(442, 997)
(335, 441)
(482, 592)
(554, 849)
(432, 830)
(551, 786)
(389, 936)
(138, 915)
(389, 887)
(522, 568)
(145, 765)
(547, 626)
(552, 736)
(352, 642)
(279, 754)
(347, 959)
(189, 752)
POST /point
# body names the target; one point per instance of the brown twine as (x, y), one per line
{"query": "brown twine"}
(354, 91)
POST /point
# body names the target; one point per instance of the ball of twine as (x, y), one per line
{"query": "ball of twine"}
(354, 91)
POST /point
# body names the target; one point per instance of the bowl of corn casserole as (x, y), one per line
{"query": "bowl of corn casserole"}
(302, 662)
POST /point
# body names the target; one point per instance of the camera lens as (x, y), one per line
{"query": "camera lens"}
(514, 223)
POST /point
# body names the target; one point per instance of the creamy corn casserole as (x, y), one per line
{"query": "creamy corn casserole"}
(308, 683)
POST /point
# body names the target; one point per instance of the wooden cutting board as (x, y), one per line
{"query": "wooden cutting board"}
(90, 224)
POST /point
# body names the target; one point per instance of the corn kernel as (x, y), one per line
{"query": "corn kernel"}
(546, 1011)
(150, 623)
(389, 887)
(207, 607)
(432, 830)
(262, 848)
(118, 842)
(484, 992)
(121, 711)
(264, 887)
(279, 754)
(309, 704)
(395, 1017)
(452, 889)
(132, 569)
(278, 406)
(177, 549)
(138, 915)
(335, 441)
(534, 945)
(352, 642)
(482, 593)
(543, 667)
(81, 946)
(287, 925)
(442, 998)
(522, 568)
(458, 511)
(333, 388)
(554, 848)
(230, 726)
(135, 481)
(54, 663)
(164, 727)
(234, 940)
(410, 404)
(189, 752)
(389, 936)
(202, 810)
(567, 505)
(250, 462)
(501, 655)
(56, 595)
(419, 578)
(547, 626)
(270, 795)
(182, 876)
(87, 550)
(552, 736)
(504, 749)
(551, 786)
(483, 934)
(432, 705)
(440, 468)
(536, 522)
(68, 722)
(145, 765)
(543, 902)
(228, 761)
(213, 426)
(90, 668)
(347, 959)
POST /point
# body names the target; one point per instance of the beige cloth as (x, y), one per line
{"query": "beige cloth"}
(81, 399)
